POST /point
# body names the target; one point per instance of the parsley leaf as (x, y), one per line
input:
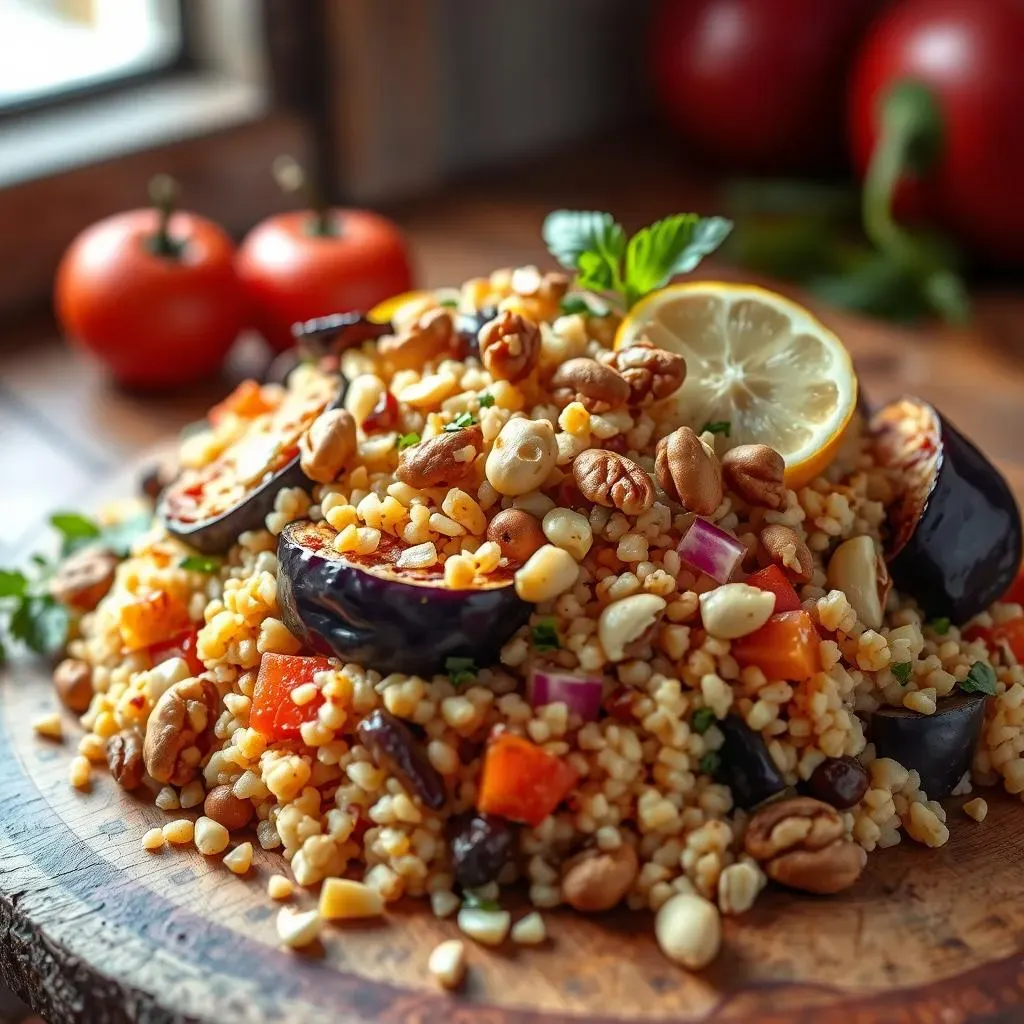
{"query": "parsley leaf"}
(570, 234)
(12, 583)
(545, 636)
(902, 671)
(460, 670)
(408, 440)
(471, 901)
(703, 719)
(717, 427)
(940, 625)
(710, 763)
(463, 420)
(980, 679)
(76, 531)
(449, 303)
(41, 623)
(200, 563)
(486, 400)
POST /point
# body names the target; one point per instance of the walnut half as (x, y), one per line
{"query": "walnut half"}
(178, 729)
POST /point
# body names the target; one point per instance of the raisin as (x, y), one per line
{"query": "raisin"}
(839, 781)
(393, 747)
(481, 845)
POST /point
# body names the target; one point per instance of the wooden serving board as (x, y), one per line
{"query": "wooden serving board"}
(94, 930)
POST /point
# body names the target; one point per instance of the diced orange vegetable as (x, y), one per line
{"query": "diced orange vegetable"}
(152, 619)
(273, 712)
(183, 645)
(1010, 633)
(775, 581)
(522, 782)
(785, 647)
(246, 401)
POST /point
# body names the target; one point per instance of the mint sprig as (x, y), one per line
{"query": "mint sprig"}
(597, 249)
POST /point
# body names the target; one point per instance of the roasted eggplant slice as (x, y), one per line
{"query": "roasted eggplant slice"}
(467, 327)
(337, 331)
(954, 533)
(938, 747)
(364, 608)
(210, 506)
(745, 765)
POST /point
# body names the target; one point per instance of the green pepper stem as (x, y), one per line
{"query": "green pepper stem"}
(163, 194)
(292, 179)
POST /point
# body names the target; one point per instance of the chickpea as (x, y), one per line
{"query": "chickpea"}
(523, 455)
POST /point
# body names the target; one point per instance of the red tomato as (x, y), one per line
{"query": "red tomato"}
(273, 712)
(292, 273)
(181, 646)
(785, 647)
(1015, 595)
(757, 84)
(969, 56)
(773, 579)
(155, 320)
(1010, 633)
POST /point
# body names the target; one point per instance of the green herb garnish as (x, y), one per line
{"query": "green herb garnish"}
(470, 901)
(449, 303)
(408, 440)
(596, 247)
(573, 305)
(940, 625)
(717, 427)
(76, 531)
(710, 763)
(463, 420)
(29, 614)
(703, 719)
(486, 400)
(121, 536)
(902, 672)
(200, 563)
(545, 636)
(980, 679)
(460, 670)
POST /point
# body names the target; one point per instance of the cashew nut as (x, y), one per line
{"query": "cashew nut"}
(853, 569)
(549, 571)
(627, 620)
(735, 609)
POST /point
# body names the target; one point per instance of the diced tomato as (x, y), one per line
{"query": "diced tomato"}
(620, 705)
(522, 782)
(181, 646)
(1010, 633)
(246, 401)
(785, 647)
(775, 581)
(273, 712)
(152, 619)
(383, 416)
(1015, 595)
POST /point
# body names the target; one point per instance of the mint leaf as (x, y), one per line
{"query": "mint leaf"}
(708, 234)
(463, 420)
(940, 625)
(200, 563)
(980, 679)
(12, 583)
(545, 636)
(902, 672)
(703, 719)
(460, 670)
(569, 234)
(710, 763)
(76, 530)
(486, 400)
(597, 273)
(408, 440)
(41, 623)
(717, 427)
(574, 304)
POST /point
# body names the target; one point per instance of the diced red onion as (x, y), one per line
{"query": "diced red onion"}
(711, 550)
(581, 694)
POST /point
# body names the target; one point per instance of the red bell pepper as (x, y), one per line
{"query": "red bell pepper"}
(1010, 633)
(775, 581)
(521, 781)
(785, 647)
(273, 711)
(181, 646)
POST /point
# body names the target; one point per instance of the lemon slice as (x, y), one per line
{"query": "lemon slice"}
(756, 359)
(390, 308)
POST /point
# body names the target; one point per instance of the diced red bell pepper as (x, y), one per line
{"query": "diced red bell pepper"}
(775, 581)
(1010, 633)
(181, 646)
(246, 401)
(273, 712)
(785, 647)
(522, 782)
(383, 416)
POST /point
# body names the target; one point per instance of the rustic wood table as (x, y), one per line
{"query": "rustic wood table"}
(94, 930)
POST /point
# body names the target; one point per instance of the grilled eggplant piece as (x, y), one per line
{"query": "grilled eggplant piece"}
(939, 747)
(954, 533)
(364, 608)
(467, 327)
(337, 331)
(209, 507)
(746, 767)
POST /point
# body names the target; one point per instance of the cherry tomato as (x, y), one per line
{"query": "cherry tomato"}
(964, 158)
(757, 84)
(774, 580)
(152, 294)
(312, 262)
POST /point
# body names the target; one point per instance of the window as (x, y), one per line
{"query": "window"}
(50, 49)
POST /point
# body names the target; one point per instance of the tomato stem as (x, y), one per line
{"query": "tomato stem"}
(163, 194)
(292, 179)
(910, 141)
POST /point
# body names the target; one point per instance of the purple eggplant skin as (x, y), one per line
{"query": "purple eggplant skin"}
(216, 535)
(938, 747)
(467, 328)
(745, 765)
(364, 609)
(955, 542)
(337, 332)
